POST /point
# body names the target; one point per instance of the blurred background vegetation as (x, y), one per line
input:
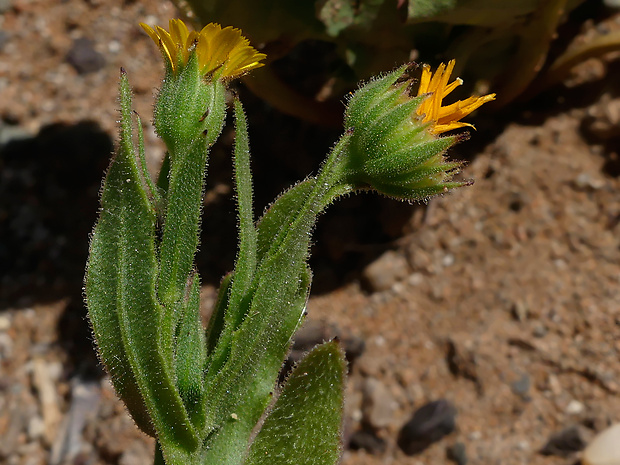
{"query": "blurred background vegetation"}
(508, 46)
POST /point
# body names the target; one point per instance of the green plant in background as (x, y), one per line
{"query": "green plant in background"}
(499, 44)
(203, 392)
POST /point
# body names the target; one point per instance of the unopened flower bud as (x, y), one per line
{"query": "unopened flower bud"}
(198, 66)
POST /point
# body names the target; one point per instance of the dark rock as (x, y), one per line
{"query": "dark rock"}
(521, 387)
(367, 441)
(4, 39)
(84, 58)
(540, 330)
(429, 424)
(565, 442)
(457, 453)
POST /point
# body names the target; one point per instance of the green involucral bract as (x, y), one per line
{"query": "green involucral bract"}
(202, 392)
(392, 150)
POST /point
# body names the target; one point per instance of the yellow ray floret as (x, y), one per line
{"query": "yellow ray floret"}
(436, 85)
(222, 53)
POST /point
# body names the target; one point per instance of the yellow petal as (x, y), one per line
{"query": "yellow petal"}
(152, 34)
(425, 79)
(445, 118)
(223, 53)
(168, 45)
(457, 82)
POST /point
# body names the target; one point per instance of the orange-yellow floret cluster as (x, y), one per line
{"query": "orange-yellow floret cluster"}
(222, 52)
(436, 85)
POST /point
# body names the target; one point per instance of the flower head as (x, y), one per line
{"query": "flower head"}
(394, 143)
(436, 87)
(221, 52)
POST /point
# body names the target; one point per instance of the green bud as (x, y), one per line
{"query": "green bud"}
(395, 145)
(392, 150)
(182, 111)
(198, 65)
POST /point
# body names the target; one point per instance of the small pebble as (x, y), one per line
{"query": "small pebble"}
(540, 330)
(574, 407)
(84, 58)
(457, 453)
(4, 36)
(565, 442)
(114, 46)
(523, 445)
(6, 345)
(520, 311)
(415, 279)
(588, 181)
(367, 441)
(5, 323)
(379, 405)
(385, 271)
(36, 427)
(447, 260)
(429, 424)
(521, 387)
(602, 122)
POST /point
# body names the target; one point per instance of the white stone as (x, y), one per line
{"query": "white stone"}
(604, 448)
(5, 323)
(36, 427)
(574, 407)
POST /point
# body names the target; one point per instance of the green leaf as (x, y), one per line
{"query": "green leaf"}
(242, 389)
(261, 21)
(191, 354)
(164, 175)
(272, 226)
(486, 13)
(239, 391)
(304, 426)
(417, 9)
(236, 295)
(243, 370)
(338, 15)
(245, 266)
(216, 320)
(121, 298)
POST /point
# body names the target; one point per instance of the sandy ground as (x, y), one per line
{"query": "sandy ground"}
(501, 298)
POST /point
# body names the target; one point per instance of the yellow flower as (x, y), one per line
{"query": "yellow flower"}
(446, 118)
(222, 53)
